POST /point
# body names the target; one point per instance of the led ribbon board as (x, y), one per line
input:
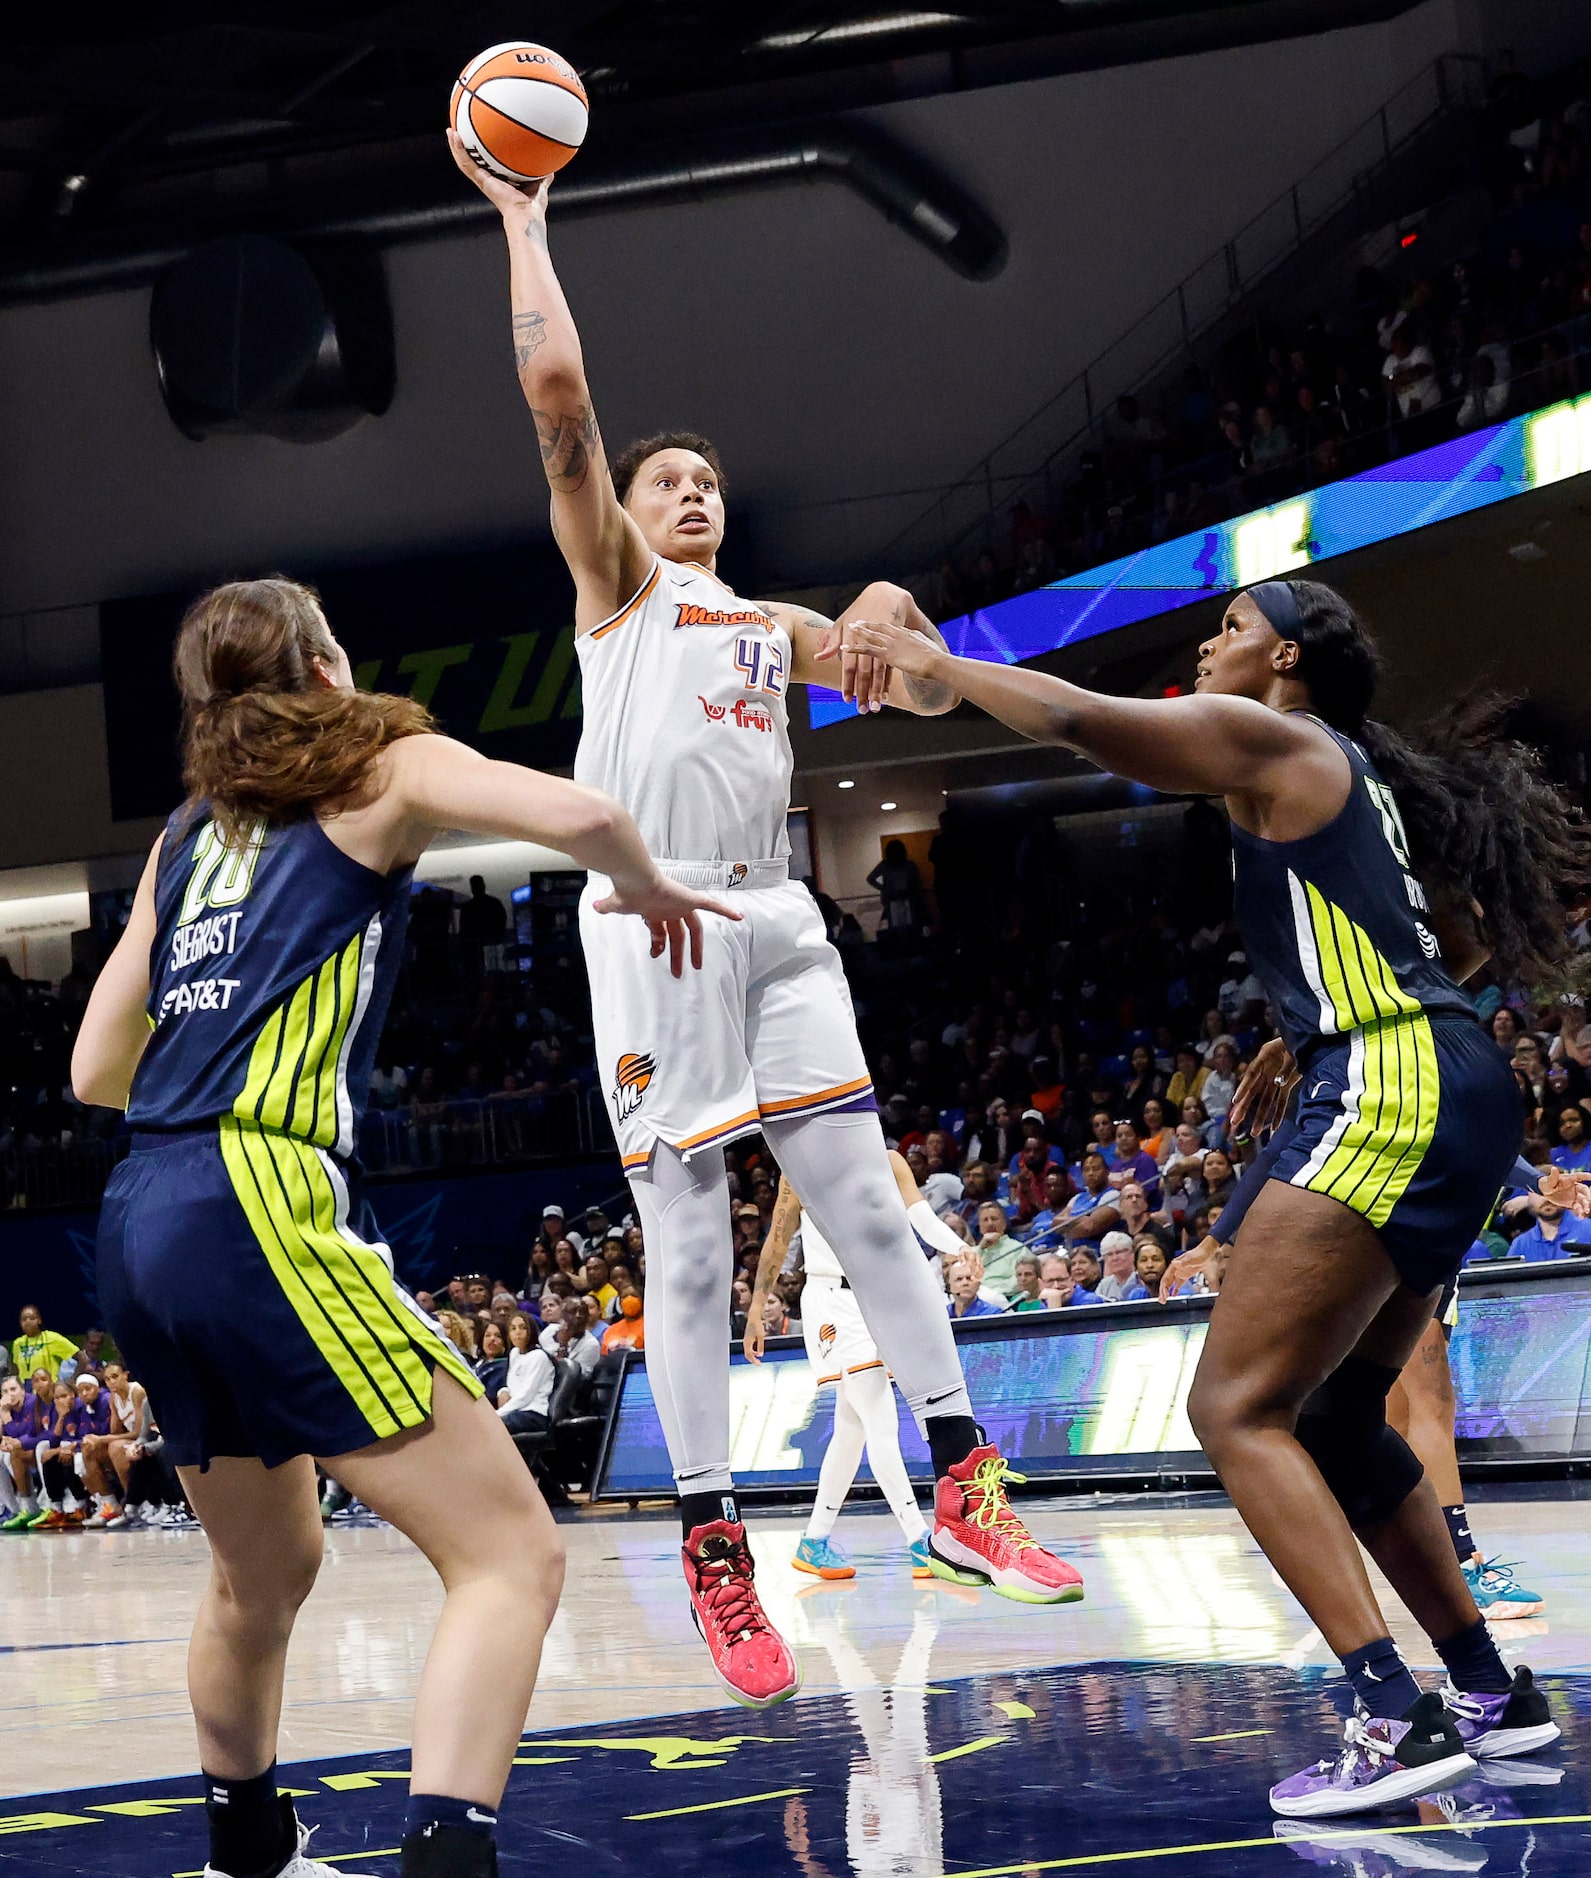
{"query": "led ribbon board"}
(1468, 472)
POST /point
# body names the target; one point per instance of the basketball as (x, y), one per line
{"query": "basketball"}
(520, 109)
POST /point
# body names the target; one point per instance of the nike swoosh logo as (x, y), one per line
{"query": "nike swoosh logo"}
(943, 1396)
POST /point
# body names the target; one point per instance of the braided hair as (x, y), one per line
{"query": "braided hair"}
(1484, 822)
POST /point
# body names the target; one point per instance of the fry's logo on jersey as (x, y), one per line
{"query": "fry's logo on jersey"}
(632, 1080)
(742, 715)
(718, 616)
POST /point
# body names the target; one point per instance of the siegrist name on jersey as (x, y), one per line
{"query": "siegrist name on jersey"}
(204, 939)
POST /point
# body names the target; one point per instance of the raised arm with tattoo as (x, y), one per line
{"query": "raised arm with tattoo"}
(602, 545)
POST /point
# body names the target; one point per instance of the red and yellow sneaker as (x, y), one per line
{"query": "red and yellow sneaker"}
(978, 1540)
(750, 1658)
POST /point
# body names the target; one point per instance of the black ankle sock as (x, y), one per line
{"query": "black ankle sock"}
(701, 1509)
(951, 1438)
(428, 1811)
(251, 1825)
(1471, 1659)
(448, 1852)
(1381, 1678)
(1457, 1518)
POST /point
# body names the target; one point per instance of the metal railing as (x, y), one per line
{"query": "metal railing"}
(496, 1131)
(57, 1173)
(1024, 462)
(438, 1137)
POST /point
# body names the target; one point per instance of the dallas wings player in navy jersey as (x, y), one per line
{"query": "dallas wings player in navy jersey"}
(1407, 1126)
(239, 1266)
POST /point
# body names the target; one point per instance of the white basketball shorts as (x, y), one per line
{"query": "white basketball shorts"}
(837, 1339)
(764, 1031)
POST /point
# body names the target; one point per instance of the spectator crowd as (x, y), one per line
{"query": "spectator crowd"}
(1420, 352)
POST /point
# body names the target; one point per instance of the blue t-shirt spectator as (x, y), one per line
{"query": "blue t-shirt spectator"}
(1571, 1240)
(1574, 1160)
(1080, 1296)
(979, 1307)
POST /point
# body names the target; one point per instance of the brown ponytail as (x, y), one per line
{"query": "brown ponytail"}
(262, 735)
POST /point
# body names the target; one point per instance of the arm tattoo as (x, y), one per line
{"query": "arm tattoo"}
(925, 693)
(530, 331)
(568, 442)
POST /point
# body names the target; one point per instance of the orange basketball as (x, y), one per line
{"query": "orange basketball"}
(520, 109)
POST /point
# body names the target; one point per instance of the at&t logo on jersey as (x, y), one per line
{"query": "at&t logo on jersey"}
(202, 994)
(632, 1079)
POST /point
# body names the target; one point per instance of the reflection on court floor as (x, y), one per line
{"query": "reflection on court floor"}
(1094, 1767)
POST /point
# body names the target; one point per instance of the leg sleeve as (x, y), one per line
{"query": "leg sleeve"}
(841, 1458)
(873, 1400)
(684, 1209)
(840, 1170)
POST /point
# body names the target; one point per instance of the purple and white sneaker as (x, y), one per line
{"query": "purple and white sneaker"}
(1493, 1726)
(1382, 1760)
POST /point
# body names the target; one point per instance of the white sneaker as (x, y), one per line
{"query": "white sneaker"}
(147, 1511)
(96, 1522)
(301, 1866)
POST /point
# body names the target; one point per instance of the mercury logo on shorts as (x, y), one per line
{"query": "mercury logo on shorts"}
(633, 1078)
(738, 874)
(826, 1337)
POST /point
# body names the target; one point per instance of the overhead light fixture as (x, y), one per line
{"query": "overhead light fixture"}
(887, 806)
(872, 27)
(847, 785)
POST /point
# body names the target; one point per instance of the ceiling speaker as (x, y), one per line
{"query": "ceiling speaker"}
(253, 336)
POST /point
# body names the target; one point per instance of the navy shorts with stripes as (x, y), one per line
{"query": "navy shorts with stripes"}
(243, 1278)
(1413, 1123)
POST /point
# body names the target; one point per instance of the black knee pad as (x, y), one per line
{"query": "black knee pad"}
(1369, 1467)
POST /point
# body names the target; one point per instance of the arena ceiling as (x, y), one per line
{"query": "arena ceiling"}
(114, 119)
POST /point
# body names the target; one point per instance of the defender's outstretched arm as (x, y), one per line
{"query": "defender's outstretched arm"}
(1185, 746)
(825, 654)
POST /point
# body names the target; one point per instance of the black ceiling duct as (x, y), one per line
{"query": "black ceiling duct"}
(252, 336)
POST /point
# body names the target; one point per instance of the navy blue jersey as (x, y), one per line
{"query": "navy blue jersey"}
(1334, 924)
(271, 973)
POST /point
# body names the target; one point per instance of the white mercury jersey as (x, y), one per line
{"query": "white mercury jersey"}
(684, 698)
(817, 1255)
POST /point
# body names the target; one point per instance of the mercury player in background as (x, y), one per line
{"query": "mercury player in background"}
(1407, 1126)
(845, 1358)
(684, 686)
(241, 1271)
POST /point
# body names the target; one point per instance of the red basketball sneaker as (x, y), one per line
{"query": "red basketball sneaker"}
(978, 1540)
(750, 1658)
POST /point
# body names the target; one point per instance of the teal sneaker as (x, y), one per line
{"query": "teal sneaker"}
(1496, 1596)
(823, 1559)
(918, 1554)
